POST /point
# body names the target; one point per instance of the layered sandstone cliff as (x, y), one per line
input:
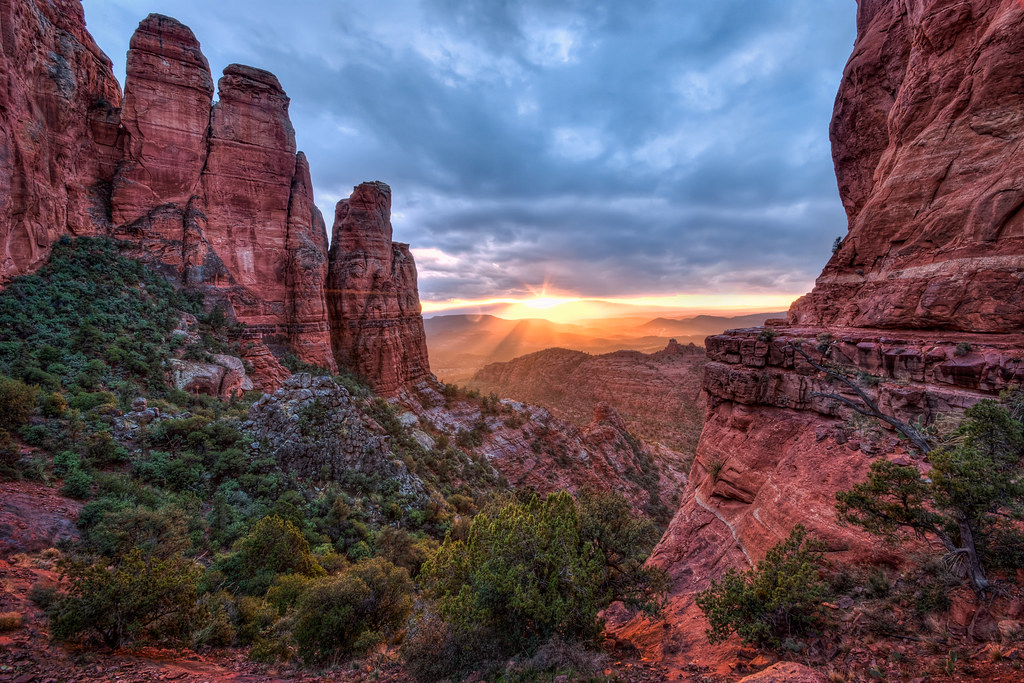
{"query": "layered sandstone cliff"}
(374, 306)
(926, 139)
(215, 195)
(921, 304)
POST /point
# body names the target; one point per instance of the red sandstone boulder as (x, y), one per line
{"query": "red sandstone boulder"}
(376, 325)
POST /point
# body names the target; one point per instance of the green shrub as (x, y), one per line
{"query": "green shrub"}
(780, 599)
(273, 546)
(975, 487)
(9, 455)
(539, 568)
(54, 405)
(77, 484)
(138, 598)
(349, 614)
(17, 401)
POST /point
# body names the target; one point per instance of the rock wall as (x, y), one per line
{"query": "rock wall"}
(218, 194)
(921, 302)
(215, 195)
(374, 307)
(59, 142)
(926, 138)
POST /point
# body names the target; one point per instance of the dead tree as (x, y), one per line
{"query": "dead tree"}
(869, 407)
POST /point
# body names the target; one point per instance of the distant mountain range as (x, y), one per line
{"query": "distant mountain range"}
(459, 345)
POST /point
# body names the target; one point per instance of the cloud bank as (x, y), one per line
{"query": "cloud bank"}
(601, 148)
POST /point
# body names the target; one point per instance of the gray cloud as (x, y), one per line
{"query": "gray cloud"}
(607, 148)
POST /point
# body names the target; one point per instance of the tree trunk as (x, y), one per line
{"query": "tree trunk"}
(974, 569)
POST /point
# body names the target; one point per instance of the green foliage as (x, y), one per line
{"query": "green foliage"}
(624, 540)
(976, 485)
(363, 606)
(779, 599)
(273, 546)
(88, 318)
(77, 484)
(139, 598)
(539, 568)
(767, 334)
(17, 401)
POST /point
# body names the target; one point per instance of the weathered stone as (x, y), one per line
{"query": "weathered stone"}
(926, 140)
(373, 302)
(787, 672)
(59, 142)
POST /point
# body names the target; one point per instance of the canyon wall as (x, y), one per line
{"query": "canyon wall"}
(58, 130)
(215, 195)
(926, 138)
(921, 303)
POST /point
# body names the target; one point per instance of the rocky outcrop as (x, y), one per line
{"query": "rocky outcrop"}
(926, 138)
(314, 428)
(220, 196)
(536, 450)
(373, 302)
(215, 195)
(166, 121)
(920, 304)
(656, 393)
(59, 142)
(223, 377)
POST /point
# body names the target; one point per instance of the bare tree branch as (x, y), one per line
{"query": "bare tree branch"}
(870, 408)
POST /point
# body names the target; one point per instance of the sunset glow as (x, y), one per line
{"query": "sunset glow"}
(573, 308)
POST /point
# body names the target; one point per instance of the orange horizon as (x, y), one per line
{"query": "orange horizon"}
(567, 308)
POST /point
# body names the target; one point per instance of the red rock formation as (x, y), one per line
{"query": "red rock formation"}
(166, 119)
(58, 130)
(376, 326)
(217, 197)
(926, 140)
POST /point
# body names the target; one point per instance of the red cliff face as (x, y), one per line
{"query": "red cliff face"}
(376, 325)
(216, 196)
(926, 139)
(166, 120)
(922, 302)
(58, 130)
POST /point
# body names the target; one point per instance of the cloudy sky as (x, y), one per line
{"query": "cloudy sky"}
(601, 149)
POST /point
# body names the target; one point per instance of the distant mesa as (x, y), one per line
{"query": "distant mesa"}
(214, 195)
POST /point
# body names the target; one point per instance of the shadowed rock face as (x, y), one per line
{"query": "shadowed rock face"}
(926, 138)
(215, 195)
(376, 325)
(58, 130)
